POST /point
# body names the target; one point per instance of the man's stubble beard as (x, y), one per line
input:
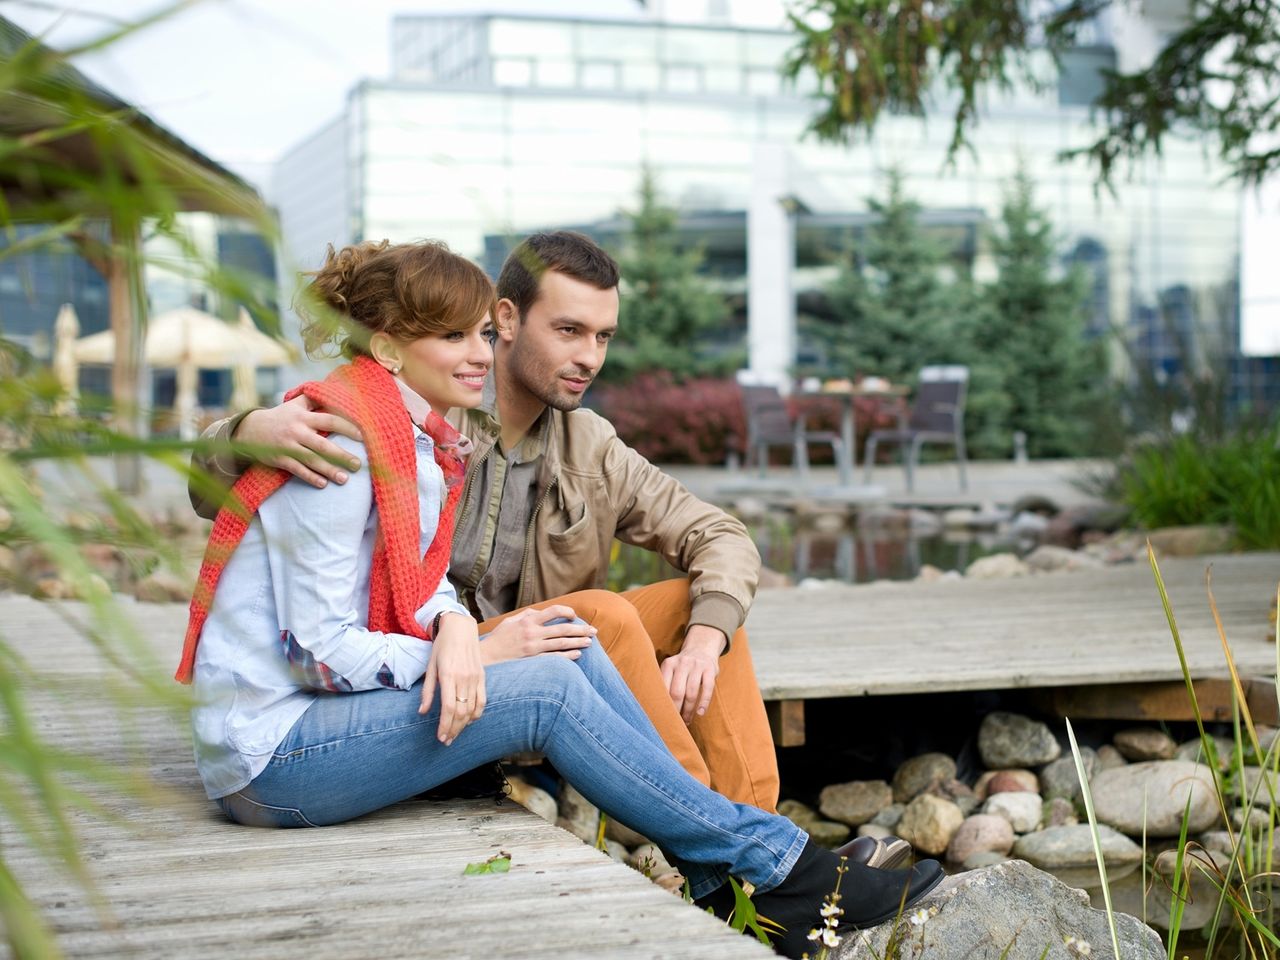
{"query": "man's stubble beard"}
(542, 386)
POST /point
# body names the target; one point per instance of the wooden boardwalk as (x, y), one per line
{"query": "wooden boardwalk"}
(180, 881)
(1097, 628)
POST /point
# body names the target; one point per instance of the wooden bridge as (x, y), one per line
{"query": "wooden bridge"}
(178, 881)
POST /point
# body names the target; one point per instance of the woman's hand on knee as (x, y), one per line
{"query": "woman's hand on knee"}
(530, 632)
(456, 669)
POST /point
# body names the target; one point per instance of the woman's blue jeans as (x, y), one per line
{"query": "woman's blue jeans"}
(350, 754)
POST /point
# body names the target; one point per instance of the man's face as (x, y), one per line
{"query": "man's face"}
(557, 348)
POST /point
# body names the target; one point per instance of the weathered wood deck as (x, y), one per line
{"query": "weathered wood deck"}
(1101, 628)
(182, 882)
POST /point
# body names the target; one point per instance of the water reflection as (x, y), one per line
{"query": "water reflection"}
(864, 556)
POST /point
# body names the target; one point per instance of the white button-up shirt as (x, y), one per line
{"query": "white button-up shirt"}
(289, 618)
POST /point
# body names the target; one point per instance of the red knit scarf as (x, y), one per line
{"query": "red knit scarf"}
(400, 581)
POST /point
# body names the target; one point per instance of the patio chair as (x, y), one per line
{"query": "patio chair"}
(770, 424)
(936, 416)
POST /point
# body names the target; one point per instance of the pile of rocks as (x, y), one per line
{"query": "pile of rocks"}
(1028, 803)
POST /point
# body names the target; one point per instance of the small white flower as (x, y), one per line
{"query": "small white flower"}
(829, 938)
(919, 917)
(814, 934)
(831, 910)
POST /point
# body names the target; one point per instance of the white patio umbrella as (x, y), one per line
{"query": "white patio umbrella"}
(188, 340)
(66, 328)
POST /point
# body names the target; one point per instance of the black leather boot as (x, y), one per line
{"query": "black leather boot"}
(867, 896)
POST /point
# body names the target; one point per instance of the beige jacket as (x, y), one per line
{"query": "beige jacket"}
(593, 488)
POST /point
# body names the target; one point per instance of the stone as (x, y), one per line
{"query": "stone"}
(750, 509)
(617, 830)
(578, 815)
(1022, 810)
(967, 804)
(1010, 911)
(829, 523)
(1047, 558)
(1260, 817)
(1058, 847)
(1061, 779)
(989, 517)
(671, 881)
(1012, 740)
(51, 587)
(929, 823)
(855, 802)
(1144, 743)
(1193, 751)
(998, 566)
(889, 816)
(1166, 861)
(884, 519)
(1028, 525)
(162, 586)
(925, 523)
(533, 799)
(1109, 758)
(1035, 503)
(918, 774)
(824, 832)
(771, 579)
(958, 518)
(1013, 781)
(983, 858)
(1164, 786)
(1059, 812)
(1191, 541)
(874, 830)
(929, 574)
(980, 833)
(107, 560)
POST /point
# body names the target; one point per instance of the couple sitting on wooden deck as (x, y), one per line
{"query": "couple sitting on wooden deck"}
(353, 641)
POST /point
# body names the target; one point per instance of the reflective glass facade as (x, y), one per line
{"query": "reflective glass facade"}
(494, 126)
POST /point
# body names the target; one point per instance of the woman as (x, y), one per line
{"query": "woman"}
(338, 674)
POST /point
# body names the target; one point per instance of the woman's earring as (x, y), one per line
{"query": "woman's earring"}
(395, 370)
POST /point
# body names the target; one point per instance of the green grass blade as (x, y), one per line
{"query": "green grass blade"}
(1097, 841)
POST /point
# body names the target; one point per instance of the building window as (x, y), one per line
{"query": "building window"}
(682, 78)
(598, 75)
(556, 73)
(512, 72)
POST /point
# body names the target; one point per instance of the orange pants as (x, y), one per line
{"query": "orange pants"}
(729, 748)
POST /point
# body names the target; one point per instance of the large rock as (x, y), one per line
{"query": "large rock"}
(533, 799)
(920, 774)
(578, 815)
(1059, 847)
(998, 566)
(1047, 558)
(1193, 751)
(1010, 911)
(1006, 781)
(1145, 743)
(855, 802)
(1163, 786)
(826, 833)
(1012, 740)
(1022, 810)
(1061, 779)
(929, 823)
(980, 833)
(1191, 541)
(162, 586)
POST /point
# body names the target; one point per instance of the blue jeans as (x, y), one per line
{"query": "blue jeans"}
(350, 754)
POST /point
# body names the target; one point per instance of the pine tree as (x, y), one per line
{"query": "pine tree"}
(890, 310)
(1036, 330)
(668, 312)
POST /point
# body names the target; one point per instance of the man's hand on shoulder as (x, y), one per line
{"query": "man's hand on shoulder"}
(691, 674)
(290, 436)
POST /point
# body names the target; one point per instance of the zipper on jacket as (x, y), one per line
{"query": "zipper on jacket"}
(467, 489)
(521, 601)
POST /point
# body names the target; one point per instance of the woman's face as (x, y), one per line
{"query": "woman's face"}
(448, 369)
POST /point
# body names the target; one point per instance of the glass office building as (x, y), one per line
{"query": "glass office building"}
(492, 126)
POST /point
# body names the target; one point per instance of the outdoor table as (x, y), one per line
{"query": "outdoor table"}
(848, 434)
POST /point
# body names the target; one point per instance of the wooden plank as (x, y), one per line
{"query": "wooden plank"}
(786, 722)
(1050, 630)
(1165, 700)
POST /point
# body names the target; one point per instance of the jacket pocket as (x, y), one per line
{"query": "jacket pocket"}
(579, 521)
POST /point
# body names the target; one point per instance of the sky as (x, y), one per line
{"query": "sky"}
(244, 81)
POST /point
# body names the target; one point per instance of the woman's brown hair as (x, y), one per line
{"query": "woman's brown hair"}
(406, 290)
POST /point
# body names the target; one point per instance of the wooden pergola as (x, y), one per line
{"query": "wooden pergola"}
(77, 154)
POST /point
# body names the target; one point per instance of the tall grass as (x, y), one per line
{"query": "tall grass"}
(75, 165)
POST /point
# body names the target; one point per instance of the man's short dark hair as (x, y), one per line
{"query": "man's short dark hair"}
(573, 254)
